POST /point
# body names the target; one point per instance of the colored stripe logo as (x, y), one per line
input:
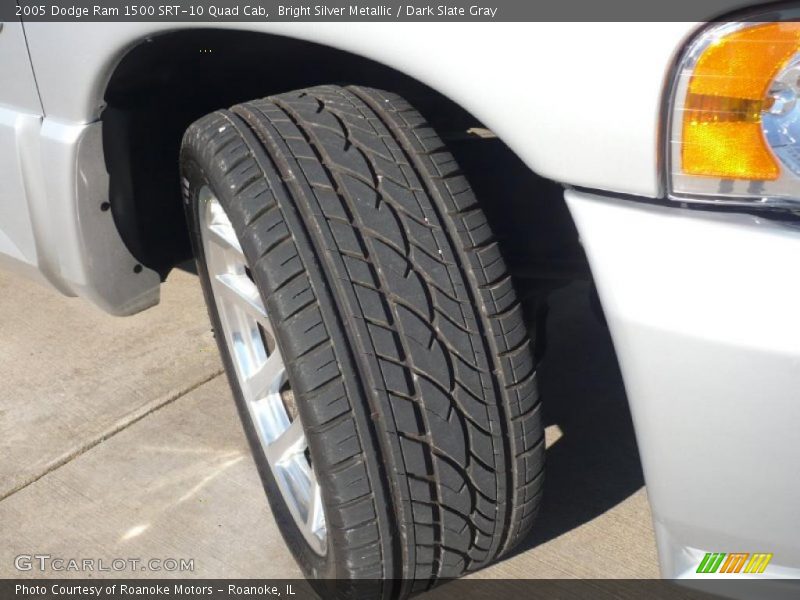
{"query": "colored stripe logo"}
(736, 562)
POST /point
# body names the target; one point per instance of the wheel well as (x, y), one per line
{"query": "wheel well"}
(168, 81)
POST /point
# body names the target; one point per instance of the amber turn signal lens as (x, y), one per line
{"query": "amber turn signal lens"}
(722, 129)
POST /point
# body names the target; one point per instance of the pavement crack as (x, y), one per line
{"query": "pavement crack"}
(130, 419)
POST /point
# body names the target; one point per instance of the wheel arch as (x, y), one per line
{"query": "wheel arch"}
(145, 75)
(162, 83)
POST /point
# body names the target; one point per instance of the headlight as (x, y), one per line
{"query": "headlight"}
(734, 129)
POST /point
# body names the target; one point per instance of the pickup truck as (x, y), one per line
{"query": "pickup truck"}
(369, 202)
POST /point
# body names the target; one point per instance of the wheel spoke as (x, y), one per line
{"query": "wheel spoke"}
(225, 238)
(221, 230)
(316, 516)
(239, 290)
(289, 443)
(267, 379)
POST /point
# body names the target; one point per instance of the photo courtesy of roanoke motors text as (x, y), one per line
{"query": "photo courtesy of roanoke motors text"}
(378, 300)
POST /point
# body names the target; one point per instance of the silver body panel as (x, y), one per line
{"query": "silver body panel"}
(702, 309)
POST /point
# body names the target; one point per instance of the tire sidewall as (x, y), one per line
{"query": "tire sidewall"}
(315, 567)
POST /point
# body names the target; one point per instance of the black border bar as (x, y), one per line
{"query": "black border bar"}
(219, 11)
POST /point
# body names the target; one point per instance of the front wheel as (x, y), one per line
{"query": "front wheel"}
(371, 335)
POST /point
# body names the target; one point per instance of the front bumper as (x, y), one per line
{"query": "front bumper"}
(704, 312)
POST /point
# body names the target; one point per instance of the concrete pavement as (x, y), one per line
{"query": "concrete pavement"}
(72, 376)
(119, 439)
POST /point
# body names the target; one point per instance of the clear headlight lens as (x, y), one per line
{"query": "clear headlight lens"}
(735, 116)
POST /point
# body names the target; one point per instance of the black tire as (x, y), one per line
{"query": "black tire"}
(403, 338)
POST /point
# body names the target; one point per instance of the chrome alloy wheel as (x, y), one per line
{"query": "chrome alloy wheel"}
(260, 371)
